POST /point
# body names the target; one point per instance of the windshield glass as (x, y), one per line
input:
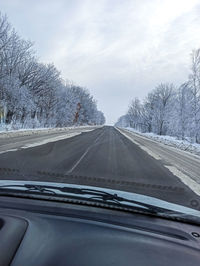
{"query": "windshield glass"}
(103, 94)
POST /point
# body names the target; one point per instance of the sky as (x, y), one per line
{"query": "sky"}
(118, 49)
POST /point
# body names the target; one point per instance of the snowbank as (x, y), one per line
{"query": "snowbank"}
(170, 141)
(28, 132)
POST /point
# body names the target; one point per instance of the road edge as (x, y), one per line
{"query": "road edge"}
(185, 179)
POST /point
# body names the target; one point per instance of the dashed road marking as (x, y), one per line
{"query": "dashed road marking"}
(84, 154)
(189, 182)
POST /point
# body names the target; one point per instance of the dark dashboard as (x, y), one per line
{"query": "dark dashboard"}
(38, 232)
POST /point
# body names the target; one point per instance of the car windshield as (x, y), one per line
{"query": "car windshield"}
(102, 94)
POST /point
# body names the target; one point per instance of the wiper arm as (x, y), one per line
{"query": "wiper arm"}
(96, 195)
(106, 197)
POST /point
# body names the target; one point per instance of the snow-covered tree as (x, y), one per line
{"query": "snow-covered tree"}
(169, 110)
(194, 81)
(33, 94)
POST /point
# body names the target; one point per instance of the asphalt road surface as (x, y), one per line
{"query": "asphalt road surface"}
(103, 157)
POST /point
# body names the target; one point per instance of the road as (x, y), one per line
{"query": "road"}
(103, 157)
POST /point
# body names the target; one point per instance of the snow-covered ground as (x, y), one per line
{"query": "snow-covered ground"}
(171, 141)
(39, 136)
(6, 133)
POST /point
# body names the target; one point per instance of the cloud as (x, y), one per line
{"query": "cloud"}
(119, 49)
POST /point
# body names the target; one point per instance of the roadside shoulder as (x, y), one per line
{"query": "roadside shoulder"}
(172, 142)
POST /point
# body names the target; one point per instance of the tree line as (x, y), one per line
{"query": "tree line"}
(169, 110)
(33, 94)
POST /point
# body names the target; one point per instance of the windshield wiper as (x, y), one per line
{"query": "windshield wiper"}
(93, 195)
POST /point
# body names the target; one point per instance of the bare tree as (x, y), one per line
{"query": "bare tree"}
(194, 81)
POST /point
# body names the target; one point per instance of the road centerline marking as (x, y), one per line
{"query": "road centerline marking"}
(83, 155)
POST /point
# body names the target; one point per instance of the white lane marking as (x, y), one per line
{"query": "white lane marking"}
(8, 151)
(30, 132)
(185, 179)
(155, 156)
(39, 143)
(54, 139)
(80, 159)
(84, 154)
(173, 153)
(166, 146)
(189, 182)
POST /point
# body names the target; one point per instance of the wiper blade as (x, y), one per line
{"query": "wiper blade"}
(94, 195)
(34, 188)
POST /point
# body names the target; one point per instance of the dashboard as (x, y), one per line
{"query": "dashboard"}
(37, 232)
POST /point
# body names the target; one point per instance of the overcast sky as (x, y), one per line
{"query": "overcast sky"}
(118, 49)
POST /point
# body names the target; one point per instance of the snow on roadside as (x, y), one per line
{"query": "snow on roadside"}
(32, 131)
(170, 141)
(47, 140)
